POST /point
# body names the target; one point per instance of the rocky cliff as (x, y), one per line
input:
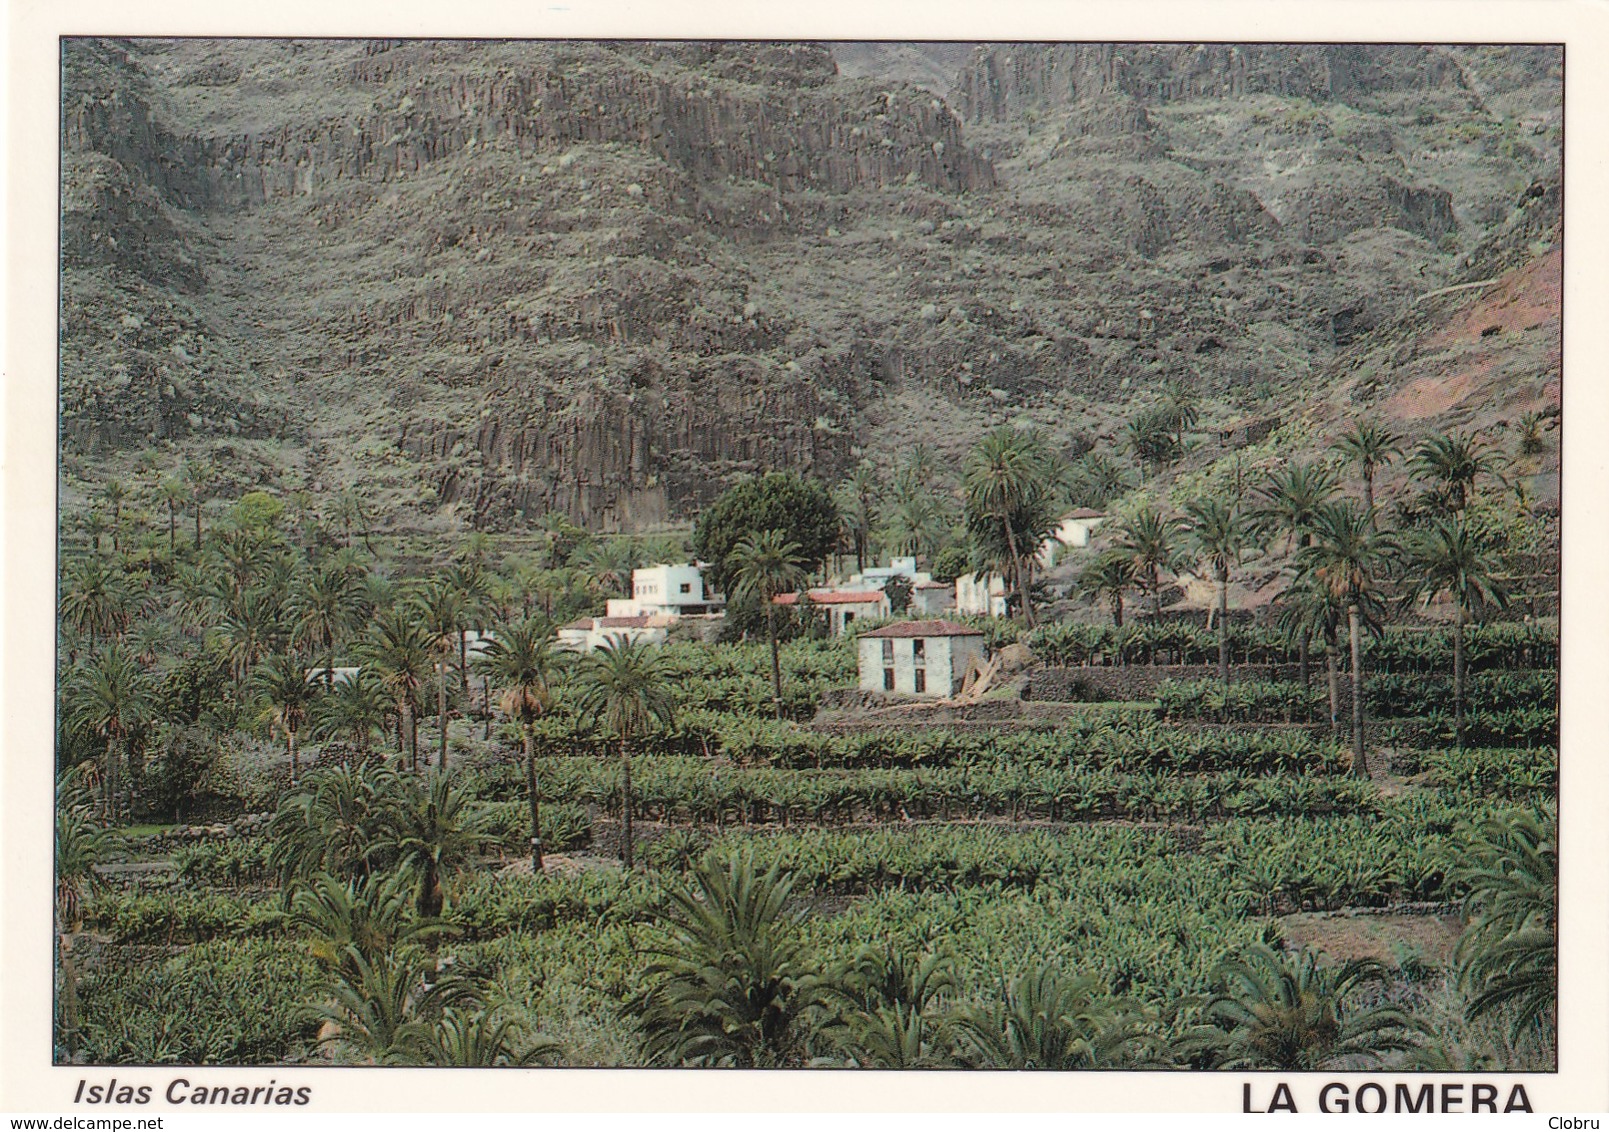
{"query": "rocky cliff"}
(505, 278)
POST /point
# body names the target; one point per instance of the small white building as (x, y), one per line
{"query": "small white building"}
(843, 607)
(1074, 530)
(672, 591)
(929, 598)
(589, 633)
(919, 658)
(985, 597)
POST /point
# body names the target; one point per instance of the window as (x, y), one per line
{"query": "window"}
(687, 587)
(919, 651)
(848, 617)
(921, 680)
(888, 679)
(888, 651)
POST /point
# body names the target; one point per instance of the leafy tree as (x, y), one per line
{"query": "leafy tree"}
(899, 590)
(519, 660)
(763, 567)
(625, 691)
(777, 501)
(1451, 558)
(1349, 558)
(733, 984)
(1149, 540)
(1219, 533)
(1370, 446)
(1273, 1011)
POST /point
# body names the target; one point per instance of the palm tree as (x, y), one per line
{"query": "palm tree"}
(480, 1039)
(914, 525)
(1219, 534)
(1291, 500)
(519, 658)
(1306, 608)
(114, 491)
(198, 476)
(434, 831)
(1008, 477)
(171, 492)
(1180, 403)
(336, 823)
(80, 844)
(899, 1017)
(1369, 445)
(764, 566)
(608, 564)
(1108, 578)
(1455, 461)
(366, 917)
(1148, 540)
(353, 709)
(282, 680)
(1508, 954)
(1348, 558)
(1094, 480)
(251, 626)
(1274, 1011)
(626, 692)
(733, 984)
(1049, 1020)
(324, 604)
(110, 697)
(380, 1004)
(856, 498)
(1452, 558)
(441, 607)
(400, 649)
(95, 599)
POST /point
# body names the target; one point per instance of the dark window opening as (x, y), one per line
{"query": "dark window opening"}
(888, 679)
(888, 652)
(921, 680)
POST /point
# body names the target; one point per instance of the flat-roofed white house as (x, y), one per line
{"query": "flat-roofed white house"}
(919, 658)
(1074, 530)
(672, 591)
(985, 597)
(843, 607)
(588, 633)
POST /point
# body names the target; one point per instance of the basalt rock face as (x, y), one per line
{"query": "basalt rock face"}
(604, 278)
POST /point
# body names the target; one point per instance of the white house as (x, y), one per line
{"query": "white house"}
(930, 597)
(919, 658)
(674, 591)
(843, 607)
(986, 598)
(879, 576)
(589, 633)
(1074, 530)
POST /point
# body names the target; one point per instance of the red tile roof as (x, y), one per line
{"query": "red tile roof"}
(833, 597)
(925, 629)
(584, 625)
(623, 622)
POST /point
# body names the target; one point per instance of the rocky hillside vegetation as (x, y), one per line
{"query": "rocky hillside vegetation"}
(483, 281)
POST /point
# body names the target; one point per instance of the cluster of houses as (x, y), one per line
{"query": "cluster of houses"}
(924, 656)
